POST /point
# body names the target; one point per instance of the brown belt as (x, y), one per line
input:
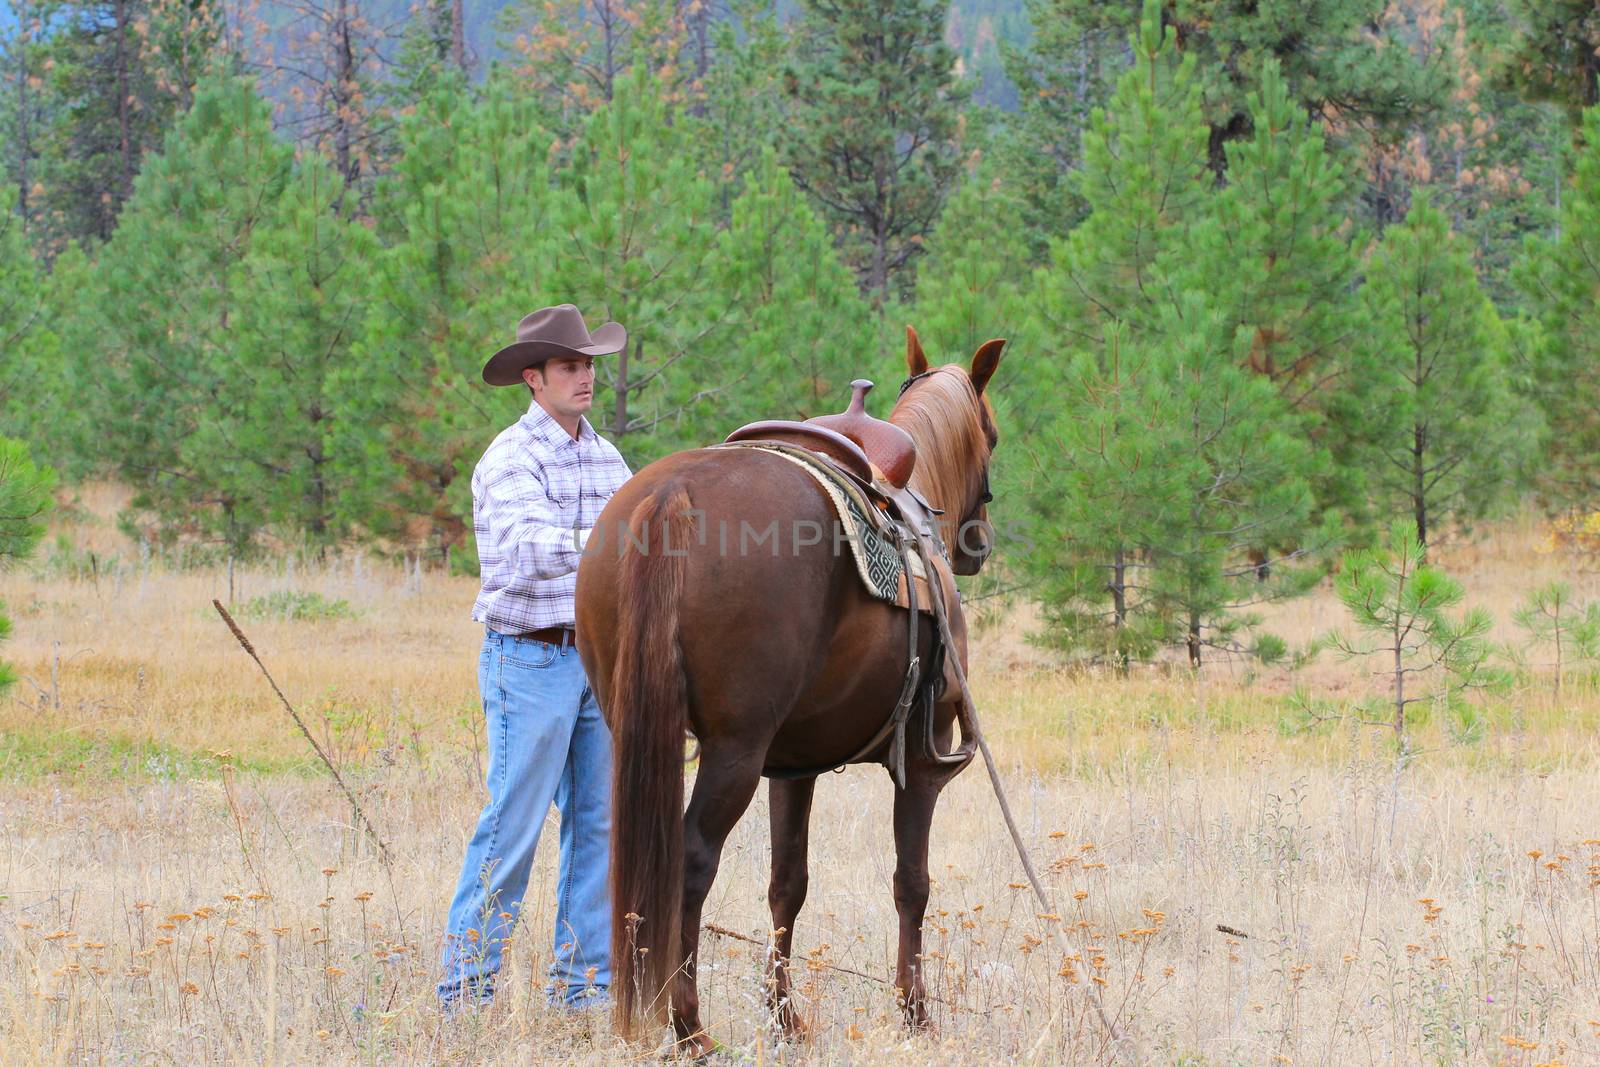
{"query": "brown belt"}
(551, 635)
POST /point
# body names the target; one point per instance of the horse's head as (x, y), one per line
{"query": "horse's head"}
(945, 410)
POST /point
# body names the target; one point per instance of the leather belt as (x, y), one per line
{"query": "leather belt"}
(552, 635)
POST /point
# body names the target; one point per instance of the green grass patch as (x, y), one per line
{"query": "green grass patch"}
(30, 755)
(297, 606)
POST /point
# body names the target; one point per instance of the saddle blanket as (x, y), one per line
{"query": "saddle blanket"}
(878, 561)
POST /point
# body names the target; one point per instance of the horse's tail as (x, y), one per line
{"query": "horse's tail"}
(649, 713)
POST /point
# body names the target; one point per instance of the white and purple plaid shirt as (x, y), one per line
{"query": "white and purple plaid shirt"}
(532, 491)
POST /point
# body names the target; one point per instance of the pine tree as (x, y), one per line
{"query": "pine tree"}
(22, 320)
(1169, 463)
(1338, 58)
(974, 282)
(1274, 252)
(1555, 53)
(22, 112)
(174, 291)
(1143, 182)
(433, 49)
(1098, 483)
(1097, 509)
(801, 324)
(1277, 228)
(873, 125)
(112, 75)
(66, 413)
(306, 289)
(42, 401)
(1481, 151)
(25, 498)
(321, 64)
(468, 251)
(742, 105)
(1430, 656)
(1249, 470)
(1445, 430)
(1186, 466)
(1064, 73)
(1550, 616)
(573, 56)
(1492, 159)
(635, 221)
(1561, 277)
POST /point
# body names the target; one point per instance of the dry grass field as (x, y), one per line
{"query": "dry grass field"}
(180, 882)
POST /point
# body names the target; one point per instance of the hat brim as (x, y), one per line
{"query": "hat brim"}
(505, 367)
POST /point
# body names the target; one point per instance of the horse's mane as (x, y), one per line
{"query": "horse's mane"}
(947, 420)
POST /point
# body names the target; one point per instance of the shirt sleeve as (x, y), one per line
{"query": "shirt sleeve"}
(526, 526)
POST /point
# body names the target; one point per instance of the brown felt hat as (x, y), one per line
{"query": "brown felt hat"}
(550, 332)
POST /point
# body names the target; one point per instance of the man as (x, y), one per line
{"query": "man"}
(536, 493)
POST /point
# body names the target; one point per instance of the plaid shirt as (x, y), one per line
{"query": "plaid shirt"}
(532, 491)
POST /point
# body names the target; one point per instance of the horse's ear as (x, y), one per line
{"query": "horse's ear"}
(916, 361)
(984, 362)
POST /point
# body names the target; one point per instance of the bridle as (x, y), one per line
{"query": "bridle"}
(909, 381)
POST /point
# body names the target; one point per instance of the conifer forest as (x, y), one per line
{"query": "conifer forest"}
(1271, 278)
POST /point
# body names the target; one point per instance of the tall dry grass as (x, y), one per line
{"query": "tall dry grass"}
(180, 883)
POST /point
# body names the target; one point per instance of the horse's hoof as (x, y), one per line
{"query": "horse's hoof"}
(697, 1047)
(791, 1026)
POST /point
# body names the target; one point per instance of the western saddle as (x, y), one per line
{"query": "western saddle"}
(866, 447)
(878, 455)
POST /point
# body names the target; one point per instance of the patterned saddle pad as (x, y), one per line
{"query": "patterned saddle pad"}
(866, 528)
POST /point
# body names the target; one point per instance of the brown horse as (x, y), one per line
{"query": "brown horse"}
(778, 660)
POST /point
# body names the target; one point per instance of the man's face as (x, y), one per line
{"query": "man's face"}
(563, 385)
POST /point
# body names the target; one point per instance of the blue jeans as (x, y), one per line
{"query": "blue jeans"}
(547, 743)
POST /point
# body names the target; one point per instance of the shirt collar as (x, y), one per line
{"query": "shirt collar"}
(543, 426)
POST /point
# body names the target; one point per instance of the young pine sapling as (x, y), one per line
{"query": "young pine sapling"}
(1551, 618)
(1403, 607)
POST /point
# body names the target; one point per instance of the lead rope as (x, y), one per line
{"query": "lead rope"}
(1122, 1043)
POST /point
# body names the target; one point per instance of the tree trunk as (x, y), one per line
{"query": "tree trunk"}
(1591, 76)
(344, 95)
(1399, 688)
(1419, 502)
(1558, 652)
(124, 118)
(608, 26)
(878, 266)
(458, 36)
(24, 146)
(317, 521)
(700, 32)
(1119, 605)
(619, 416)
(1194, 640)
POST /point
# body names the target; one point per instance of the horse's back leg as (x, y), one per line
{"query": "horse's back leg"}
(722, 790)
(913, 817)
(786, 894)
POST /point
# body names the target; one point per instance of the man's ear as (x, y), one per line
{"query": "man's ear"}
(984, 363)
(916, 360)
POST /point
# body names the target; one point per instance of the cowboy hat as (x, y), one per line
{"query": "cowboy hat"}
(547, 333)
